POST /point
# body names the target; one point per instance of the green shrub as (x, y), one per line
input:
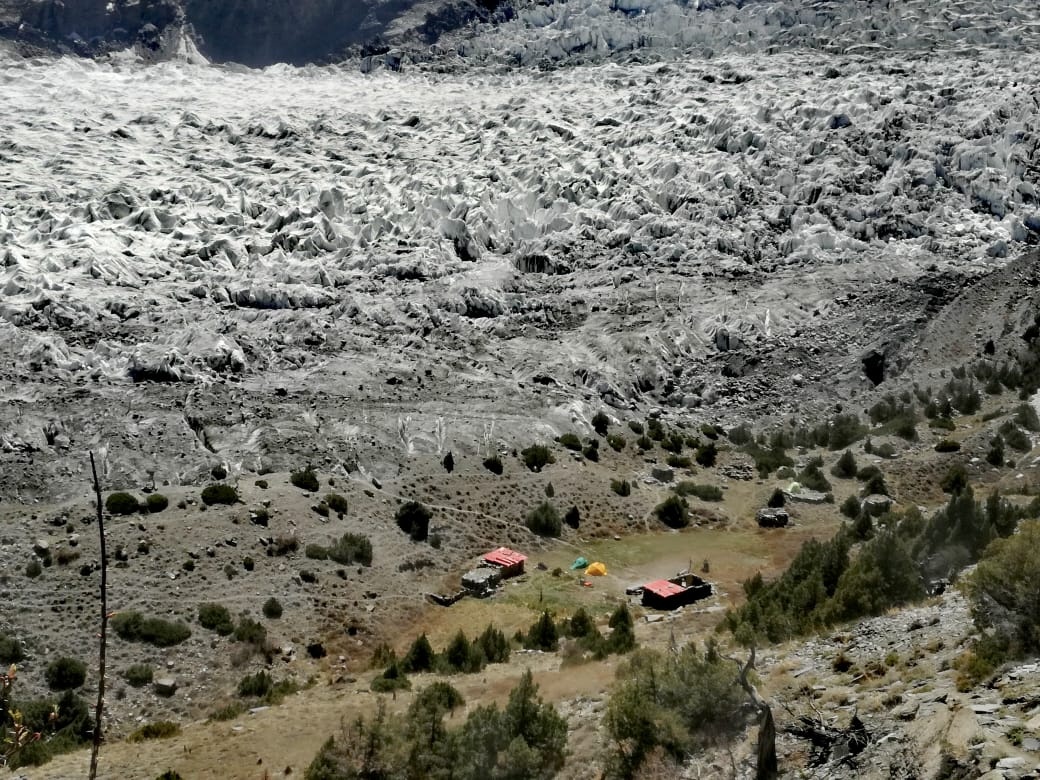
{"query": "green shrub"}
(283, 544)
(707, 455)
(767, 460)
(219, 493)
(948, 445)
(955, 480)
(414, 519)
(636, 427)
(122, 504)
(494, 646)
(843, 430)
(868, 472)
(591, 451)
(600, 423)
(995, 455)
(572, 518)
(336, 503)
(703, 492)
(420, 656)
(262, 484)
(353, 548)
(674, 512)
(64, 674)
(493, 464)
(33, 569)
(1015, 437)
(622, 637)
(228, 712)
(544, 520)
(963, 395)
(845, 468)
(316, 552)
(69, 730)
(305, 480)
(11, 651)
(216, 617)
(393, 679)
(673, 443)
(134, 627)
(161, 729)
(850, 507)
(272, 608)
(1003, 591)
(875, 486)
(570, 441)
(1026, 416)
(156, 502)
(679, 461)
(621, 486)
(655, 429)
(461, 656)
(543, 634)
(580, 624)
(616, 441)
(812, 478)
(777, 499)
(138, 675)
(671, 705)
(250, 632)
(645, 443)
(536, 457)
(256, 685)
(741, 435)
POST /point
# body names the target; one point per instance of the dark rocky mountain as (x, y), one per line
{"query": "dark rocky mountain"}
(250, 32)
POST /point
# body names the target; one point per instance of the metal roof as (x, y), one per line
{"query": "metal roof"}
(664, 588)
(503, 556)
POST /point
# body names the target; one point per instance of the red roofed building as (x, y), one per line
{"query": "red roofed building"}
(670, 594)
(509, 562)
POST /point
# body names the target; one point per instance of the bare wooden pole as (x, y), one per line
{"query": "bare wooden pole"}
(96, 746)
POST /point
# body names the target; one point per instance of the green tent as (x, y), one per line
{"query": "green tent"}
(579, 563)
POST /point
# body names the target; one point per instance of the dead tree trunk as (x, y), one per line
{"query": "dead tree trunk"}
(96, 746)
(766, 767)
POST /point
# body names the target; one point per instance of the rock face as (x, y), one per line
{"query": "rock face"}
(251, 32)
(84, 25)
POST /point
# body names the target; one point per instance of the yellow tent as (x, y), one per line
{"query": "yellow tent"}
(596, 569)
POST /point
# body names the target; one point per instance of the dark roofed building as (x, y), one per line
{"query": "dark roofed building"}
(676, 592)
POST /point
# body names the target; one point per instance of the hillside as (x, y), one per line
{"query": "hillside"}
(582, 279)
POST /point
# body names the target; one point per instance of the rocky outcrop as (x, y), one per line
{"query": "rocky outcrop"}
(252, 32)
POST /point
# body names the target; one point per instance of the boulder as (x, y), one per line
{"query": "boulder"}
(876, 504)
(772, 517)
(806, 496)
(662, 473)
(165, 686)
